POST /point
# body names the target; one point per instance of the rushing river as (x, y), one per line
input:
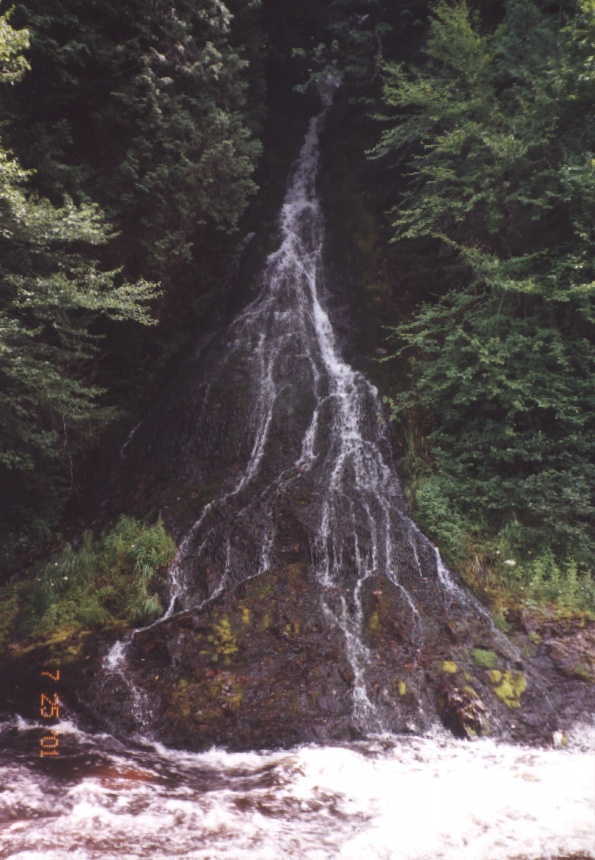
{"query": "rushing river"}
(388, 797)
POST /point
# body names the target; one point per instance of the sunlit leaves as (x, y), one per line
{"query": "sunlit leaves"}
(53, 295)
(13, 63)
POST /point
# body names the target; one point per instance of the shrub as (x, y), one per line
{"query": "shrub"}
(106, 580)
(439, 516)
(544, 579)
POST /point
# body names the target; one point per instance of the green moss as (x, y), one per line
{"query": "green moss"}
(292, 628)
(510, 687)
(246, 615)
(534, 637)
(449, 666)
(199, 701)
(65, 643)
(374, 622)
(485, 659)
(584, 671)
(223, 640)
(402, 688)
(180, 698)
(227, 691)
(266, 621)
(500, 621)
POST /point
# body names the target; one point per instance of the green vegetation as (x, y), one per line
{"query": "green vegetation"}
(223, 639)
(374, 622)
(509, 686)
(544, 580)
(495, 135)
(110, 580)
(53, 295)
(449, 666)
(485, 659)
(135, 137)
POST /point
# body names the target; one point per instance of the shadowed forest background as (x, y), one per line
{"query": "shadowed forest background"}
(144, 150)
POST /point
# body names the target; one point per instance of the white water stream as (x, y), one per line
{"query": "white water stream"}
(431, 798)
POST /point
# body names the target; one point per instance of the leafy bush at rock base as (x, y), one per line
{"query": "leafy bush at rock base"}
(107, 581)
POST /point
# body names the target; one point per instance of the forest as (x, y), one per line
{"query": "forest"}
(141, 142)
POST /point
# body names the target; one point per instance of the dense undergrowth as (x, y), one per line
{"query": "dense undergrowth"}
(108, 581)
(492, 135)
(500, 567)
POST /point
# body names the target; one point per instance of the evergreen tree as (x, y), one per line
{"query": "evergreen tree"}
(495, 132)
(190, 154)
(52, 294)
(154, 111)
(143, 107)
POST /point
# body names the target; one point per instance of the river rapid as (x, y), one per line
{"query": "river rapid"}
(388, 797)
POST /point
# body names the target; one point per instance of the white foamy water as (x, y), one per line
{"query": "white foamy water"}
(411, 798)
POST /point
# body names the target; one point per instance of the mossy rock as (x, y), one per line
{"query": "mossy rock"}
(374, 622)
(204, 700)
(266, 621)
(292, 628)
(484, 658)
(509, 686)
(462, 711)
(583, 671)
(449, 666)
(223, 640)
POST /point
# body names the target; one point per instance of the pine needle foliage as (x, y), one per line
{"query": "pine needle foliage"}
(495, 132)
(53, 294)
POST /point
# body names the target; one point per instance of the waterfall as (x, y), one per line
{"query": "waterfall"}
(312, 425)
(299, 426)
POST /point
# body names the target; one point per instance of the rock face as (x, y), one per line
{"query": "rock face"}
(261, 667)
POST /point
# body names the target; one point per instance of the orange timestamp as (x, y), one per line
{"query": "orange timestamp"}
(49, 709)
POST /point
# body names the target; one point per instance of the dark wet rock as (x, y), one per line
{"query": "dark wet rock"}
(574, 653)
(262, 667)
(462, 711)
